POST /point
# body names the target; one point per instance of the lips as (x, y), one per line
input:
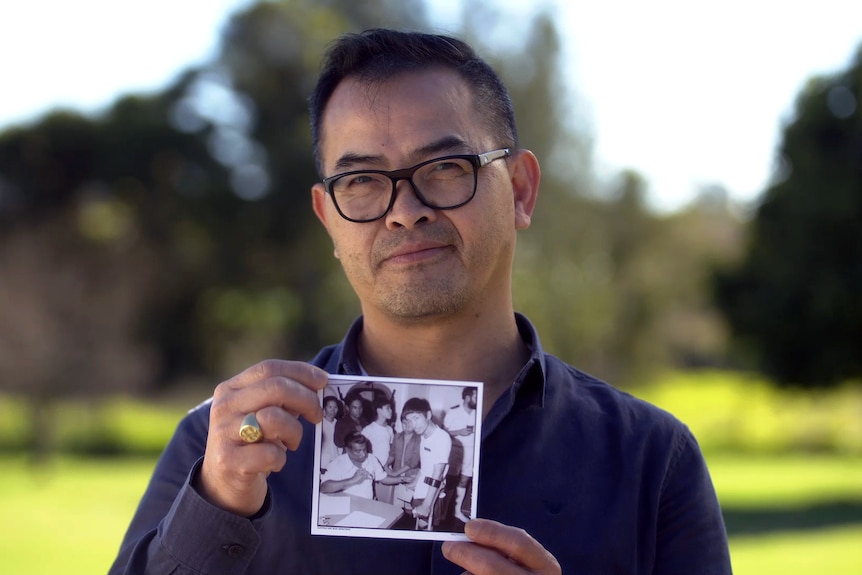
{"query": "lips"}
(413, 251)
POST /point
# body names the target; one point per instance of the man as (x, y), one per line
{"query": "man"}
(354, 472)
(460, 422)
(352, 423)
(379, 432)
(424, 190)
(328, 449)
(404, 461)
(434, 449)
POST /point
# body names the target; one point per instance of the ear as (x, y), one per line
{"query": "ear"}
(318, 203)
(525, 175)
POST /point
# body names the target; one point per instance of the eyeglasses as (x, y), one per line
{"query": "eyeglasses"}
(442, 184)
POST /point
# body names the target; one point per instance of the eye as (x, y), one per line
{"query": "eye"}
(447, 166)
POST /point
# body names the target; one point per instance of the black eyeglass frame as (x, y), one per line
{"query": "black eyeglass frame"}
(477, 160)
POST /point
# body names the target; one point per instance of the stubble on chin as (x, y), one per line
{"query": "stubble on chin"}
(423, 298)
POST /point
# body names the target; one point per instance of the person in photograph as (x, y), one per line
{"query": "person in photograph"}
(351, 423)
(434, 448)
(355, 471)
(379, 432)
(404, 461)
(328, 449)
(460, 421)
(424, 190)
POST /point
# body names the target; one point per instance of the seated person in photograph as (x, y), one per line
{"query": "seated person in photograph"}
(404, 461)
(434, 447)
(328, 450)
(351, 423)
(460, 421)
(354, 471)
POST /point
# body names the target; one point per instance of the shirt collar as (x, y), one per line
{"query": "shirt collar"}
(528, 389)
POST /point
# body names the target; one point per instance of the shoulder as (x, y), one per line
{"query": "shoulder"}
(440, 436)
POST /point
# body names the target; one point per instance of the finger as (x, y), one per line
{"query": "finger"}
(309, 375)
(500, 548)
(479, 560)
(257, 458)
(513, 542)
(289, 394)
(280, 427)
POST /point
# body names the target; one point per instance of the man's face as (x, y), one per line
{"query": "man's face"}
(417, 262)
(406, 424)
(384, 412)
(357, 452)
(470, 400)
(418, 422)
(356, 409)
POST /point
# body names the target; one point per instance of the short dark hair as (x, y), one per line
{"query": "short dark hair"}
(416, 405)
(467, 392)
(380, 401)
(377, 55)
(357, 438)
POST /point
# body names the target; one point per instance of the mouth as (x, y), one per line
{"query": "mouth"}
(415, 252)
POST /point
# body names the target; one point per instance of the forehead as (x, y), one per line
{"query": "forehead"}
(393, 120)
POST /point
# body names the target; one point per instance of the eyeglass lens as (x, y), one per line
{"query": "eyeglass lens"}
(442, 184)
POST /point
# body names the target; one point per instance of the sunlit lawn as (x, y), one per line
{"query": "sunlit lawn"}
(67, 517)
(792, 515)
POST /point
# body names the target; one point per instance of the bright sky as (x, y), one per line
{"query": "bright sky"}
(688, 93)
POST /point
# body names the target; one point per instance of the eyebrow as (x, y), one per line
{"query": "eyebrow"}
(452, 144)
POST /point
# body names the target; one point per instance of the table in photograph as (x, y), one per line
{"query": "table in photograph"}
(361, 512)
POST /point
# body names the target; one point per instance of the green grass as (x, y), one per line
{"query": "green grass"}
(791, 515)
(787, 466)
(833, 550)
(70, 516)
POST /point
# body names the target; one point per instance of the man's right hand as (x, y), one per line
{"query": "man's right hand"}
(234, 473)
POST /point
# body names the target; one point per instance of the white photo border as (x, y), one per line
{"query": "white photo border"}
(441, 387)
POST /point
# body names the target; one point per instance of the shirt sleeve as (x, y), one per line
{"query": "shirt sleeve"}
(377, 468)
(691, 537)
(174, 530)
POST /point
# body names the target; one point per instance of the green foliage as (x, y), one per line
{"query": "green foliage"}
(116, 426)
(172, 237)
(795, 301)
(747, 414)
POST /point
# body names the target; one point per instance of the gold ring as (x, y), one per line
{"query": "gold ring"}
(250, 431)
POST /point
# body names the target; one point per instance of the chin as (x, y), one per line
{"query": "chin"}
(427, 301)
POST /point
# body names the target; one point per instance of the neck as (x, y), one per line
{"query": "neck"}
(484, 349)
(429, 430)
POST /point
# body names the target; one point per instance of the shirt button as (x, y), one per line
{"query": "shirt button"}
(234, 550)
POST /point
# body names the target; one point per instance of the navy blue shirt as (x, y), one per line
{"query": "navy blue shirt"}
(609, 484)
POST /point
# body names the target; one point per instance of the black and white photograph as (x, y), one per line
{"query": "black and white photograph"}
(396, 458)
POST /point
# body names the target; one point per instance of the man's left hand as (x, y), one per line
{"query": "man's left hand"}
(497, 549)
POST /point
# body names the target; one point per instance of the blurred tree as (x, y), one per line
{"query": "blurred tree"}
(72, 286)
(198, 197)
(795, 302)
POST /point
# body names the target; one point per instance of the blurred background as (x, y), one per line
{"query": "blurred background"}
(698, 239)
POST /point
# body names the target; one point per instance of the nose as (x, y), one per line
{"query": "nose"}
(407, 209)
